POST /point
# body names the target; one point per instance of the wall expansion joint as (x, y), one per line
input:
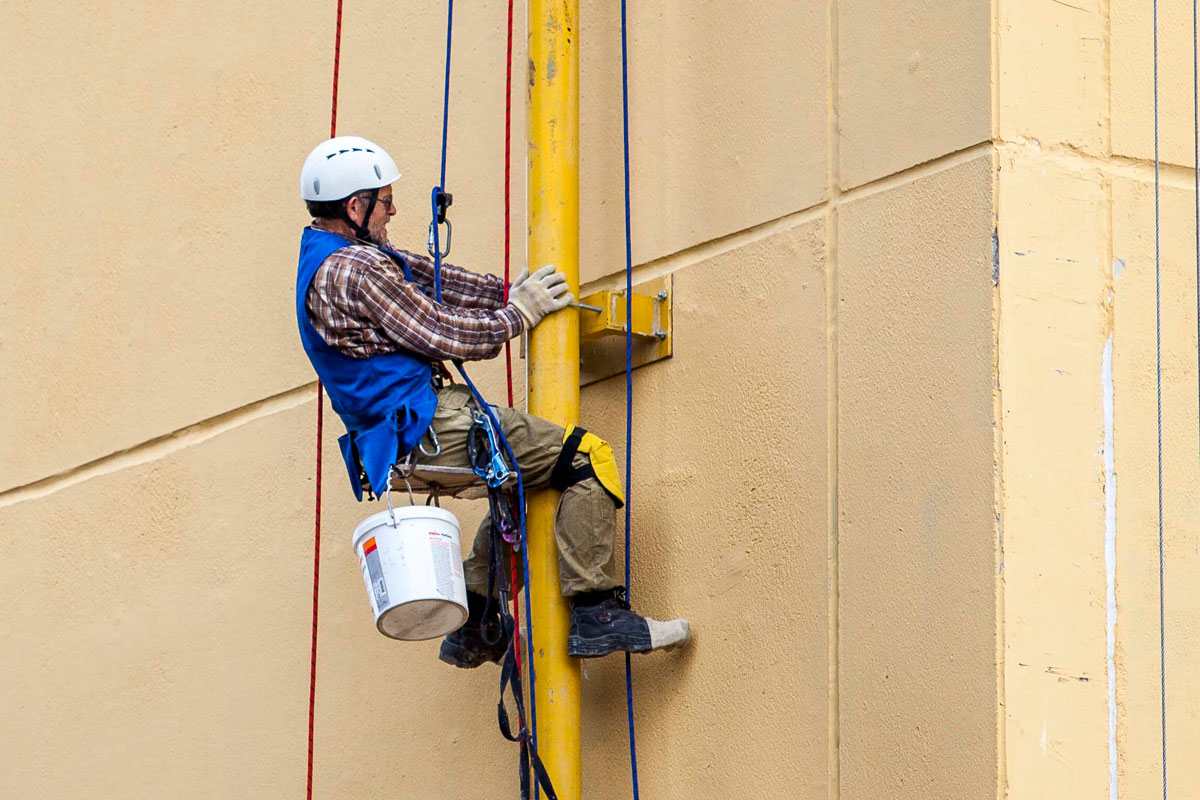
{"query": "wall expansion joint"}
(681, 259)
(160, 446)
(1074, 160)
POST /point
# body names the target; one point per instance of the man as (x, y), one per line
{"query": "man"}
(373, 333)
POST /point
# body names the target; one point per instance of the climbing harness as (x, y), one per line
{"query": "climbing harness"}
(510, 672)
(488, 448)
(526, 735)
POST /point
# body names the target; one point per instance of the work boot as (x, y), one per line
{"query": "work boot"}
(602, 623)
(466, 647)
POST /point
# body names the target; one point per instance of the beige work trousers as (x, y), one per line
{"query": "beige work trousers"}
(585, 523)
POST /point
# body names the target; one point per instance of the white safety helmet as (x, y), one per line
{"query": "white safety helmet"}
(339, 167)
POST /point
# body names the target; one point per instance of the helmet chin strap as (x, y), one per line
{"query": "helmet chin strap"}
(361, 231)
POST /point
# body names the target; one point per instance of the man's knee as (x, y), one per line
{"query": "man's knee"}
(585, 456)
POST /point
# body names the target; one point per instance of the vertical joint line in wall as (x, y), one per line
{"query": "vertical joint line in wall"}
(1110, 487)
(832, 502)
(995, 70)
(833, 149)
(1106, 75)
(833, 190)
(998, 487)
(1110, 561)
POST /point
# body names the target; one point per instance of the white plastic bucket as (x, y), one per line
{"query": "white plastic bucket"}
(411, 564)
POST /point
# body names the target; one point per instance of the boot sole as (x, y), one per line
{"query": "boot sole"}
(594, 647)
(454, 658)
(579, 647)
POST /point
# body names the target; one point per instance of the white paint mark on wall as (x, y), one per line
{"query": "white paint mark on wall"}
(1042, 741)
(1000, 541)
(1118, 267)
(1110, 557)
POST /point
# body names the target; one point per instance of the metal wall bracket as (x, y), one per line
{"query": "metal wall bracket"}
(602, 333)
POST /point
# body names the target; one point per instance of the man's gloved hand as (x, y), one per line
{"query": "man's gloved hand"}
(538, 295)
(524, 276)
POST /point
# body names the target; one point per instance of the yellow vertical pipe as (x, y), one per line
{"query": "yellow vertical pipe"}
(554, 363)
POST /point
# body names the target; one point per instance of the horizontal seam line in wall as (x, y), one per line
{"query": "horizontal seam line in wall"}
(160, 446)
(166, 444)
(689, 256)
(1173, 175)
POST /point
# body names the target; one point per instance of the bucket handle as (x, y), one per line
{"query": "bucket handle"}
(388, 494)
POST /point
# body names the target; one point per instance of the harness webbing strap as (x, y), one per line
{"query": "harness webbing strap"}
(529, 743)
(510, 676)
(564, 475)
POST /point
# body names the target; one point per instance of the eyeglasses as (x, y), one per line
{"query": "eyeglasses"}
(388, 202)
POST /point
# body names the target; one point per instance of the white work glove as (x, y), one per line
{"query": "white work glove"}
(538, 295)
(524, 276)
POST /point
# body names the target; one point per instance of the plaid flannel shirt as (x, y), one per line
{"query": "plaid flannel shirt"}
(361, 305)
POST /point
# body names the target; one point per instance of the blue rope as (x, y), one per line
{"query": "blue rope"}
(628, 386)
(1162, 636)
(483, 404)
(487, 409)
(441, 187)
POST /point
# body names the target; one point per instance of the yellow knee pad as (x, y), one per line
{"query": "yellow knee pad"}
(602, 463)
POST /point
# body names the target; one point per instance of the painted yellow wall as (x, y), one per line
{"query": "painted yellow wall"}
(872, 475)
(1077, 330)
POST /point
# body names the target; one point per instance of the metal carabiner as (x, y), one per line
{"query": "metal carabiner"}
(440, 201)
(429, 242)
(437, 446)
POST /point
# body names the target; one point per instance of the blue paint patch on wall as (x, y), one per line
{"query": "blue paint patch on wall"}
(995, 257)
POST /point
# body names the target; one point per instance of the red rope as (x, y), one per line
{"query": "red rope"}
(337, 60)
(312, 669)
(516, 612)
(507, 173)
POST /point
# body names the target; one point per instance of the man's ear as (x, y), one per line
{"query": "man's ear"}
(355, 209)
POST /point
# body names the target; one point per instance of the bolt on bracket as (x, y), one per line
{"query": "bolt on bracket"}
(602, 332)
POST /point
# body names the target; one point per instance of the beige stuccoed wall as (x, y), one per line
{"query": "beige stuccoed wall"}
(916, 530)
(1078, 382)
(815, 471)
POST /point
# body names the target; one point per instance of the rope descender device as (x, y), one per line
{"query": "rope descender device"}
(440, 201)
(484, 451)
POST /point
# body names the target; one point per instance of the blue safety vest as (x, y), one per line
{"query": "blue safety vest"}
(386, 401)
